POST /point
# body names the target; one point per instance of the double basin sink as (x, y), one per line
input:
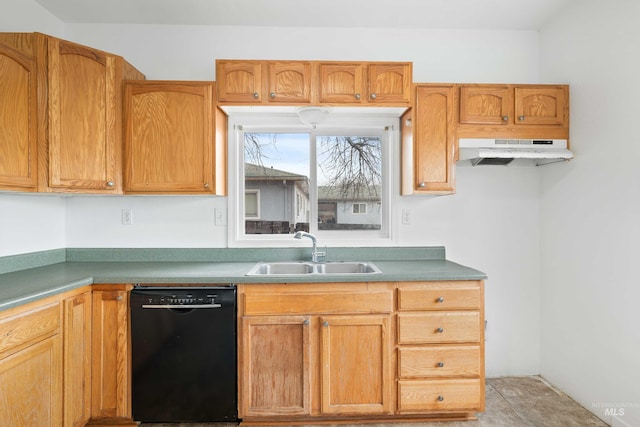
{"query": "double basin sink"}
(305, 268)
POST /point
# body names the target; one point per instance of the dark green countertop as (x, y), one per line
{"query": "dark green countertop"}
(147, 266)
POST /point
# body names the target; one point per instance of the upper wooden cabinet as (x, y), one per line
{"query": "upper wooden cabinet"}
(84, 115)
(314, 82)
(171, 144)
(514, 111)
(18, 120)
(428, 142)
(66, 99)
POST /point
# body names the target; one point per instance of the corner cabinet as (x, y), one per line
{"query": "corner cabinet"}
(171, 141)
(313, 353)
(429, 141)
(514, 111)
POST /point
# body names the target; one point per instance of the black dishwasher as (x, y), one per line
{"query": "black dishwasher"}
(183, 354)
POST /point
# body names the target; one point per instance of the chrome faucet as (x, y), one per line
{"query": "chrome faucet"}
(316, 256)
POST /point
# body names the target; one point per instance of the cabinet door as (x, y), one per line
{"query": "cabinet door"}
(289, 81)
(433, 141)
(169, 137)
(486, 105)
(30, 385)
(82, 112)
(110, 355)
(275, 372)
(390, 83)
(355, 356)
(540, 105)
(18, 121)
(239, 81)
(77, 360)
(342, 83)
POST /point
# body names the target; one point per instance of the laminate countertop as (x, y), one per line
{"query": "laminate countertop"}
(144, 267)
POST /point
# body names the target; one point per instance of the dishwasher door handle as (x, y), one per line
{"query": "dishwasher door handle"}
(182, 306)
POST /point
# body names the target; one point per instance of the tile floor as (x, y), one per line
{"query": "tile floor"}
(511, 402)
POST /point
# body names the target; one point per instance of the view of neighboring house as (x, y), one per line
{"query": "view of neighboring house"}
(277, 202)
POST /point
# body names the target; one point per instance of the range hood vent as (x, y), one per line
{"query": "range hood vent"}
(503, 152)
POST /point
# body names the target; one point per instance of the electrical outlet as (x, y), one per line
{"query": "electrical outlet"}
(127, 216)
(220, 216)
(406, 216)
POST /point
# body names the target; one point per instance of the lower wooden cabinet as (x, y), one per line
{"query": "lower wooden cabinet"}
(31, 366)
(110, 361)
(77, 360)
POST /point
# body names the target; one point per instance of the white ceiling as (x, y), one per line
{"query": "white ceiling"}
(451, 14)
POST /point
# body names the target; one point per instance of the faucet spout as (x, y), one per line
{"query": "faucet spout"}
(315, 255)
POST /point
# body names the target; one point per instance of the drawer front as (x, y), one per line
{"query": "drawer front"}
(23, 328)
(439, 327)
(314, 303)
(441, 296)
(441, 361)
(440, 395)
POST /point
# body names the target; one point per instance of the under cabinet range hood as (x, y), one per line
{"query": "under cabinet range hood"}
(522, 152)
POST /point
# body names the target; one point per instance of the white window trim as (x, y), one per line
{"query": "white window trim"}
(360, 204)
(239, 122)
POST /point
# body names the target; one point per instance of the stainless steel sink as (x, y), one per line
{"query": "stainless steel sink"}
(305, 268)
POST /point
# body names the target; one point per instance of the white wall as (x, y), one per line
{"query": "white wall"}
(492, 223)
(591, 211)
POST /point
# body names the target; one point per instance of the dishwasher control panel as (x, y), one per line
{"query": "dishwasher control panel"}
(188, 297)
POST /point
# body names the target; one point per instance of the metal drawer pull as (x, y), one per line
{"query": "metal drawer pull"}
(440, 365)
(441, 299)
(325, 324)
(439, 330)
(306, 322)
(440, 398)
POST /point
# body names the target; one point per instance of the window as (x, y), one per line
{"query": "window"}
(332, 180)
(359, 208)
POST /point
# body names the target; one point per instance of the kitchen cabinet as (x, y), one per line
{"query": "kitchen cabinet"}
(514, 111)
(440, 347)
(276, 359)
(74, 115)
(85, 118)
(31, 365)
(314, 82)
(364, 83)
(77, 360)
(110, 359)
(258, 82)
(429, 141)
(171, 141)
(18, 123)
(329, 351)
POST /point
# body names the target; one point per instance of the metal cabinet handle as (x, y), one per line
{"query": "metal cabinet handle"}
(440, 365)
(440, 330)
(110, 184)
(256, 95)
(374, 96)
(325, 323)
(306, 322)
(422, 184)
(521, 118)
(440, 398)
(119, 298)
(272, 94)
(441, 299)
(357, 95)
(505, 118)
(206, 185)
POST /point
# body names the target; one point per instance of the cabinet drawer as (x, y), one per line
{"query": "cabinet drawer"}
(440, 296)
(324, 303)
(439, 327)
(23, 328)
(441, 361)
(440, 395)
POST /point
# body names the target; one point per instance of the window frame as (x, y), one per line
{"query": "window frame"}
(255, 191)
(360, 205)
(385, 124)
